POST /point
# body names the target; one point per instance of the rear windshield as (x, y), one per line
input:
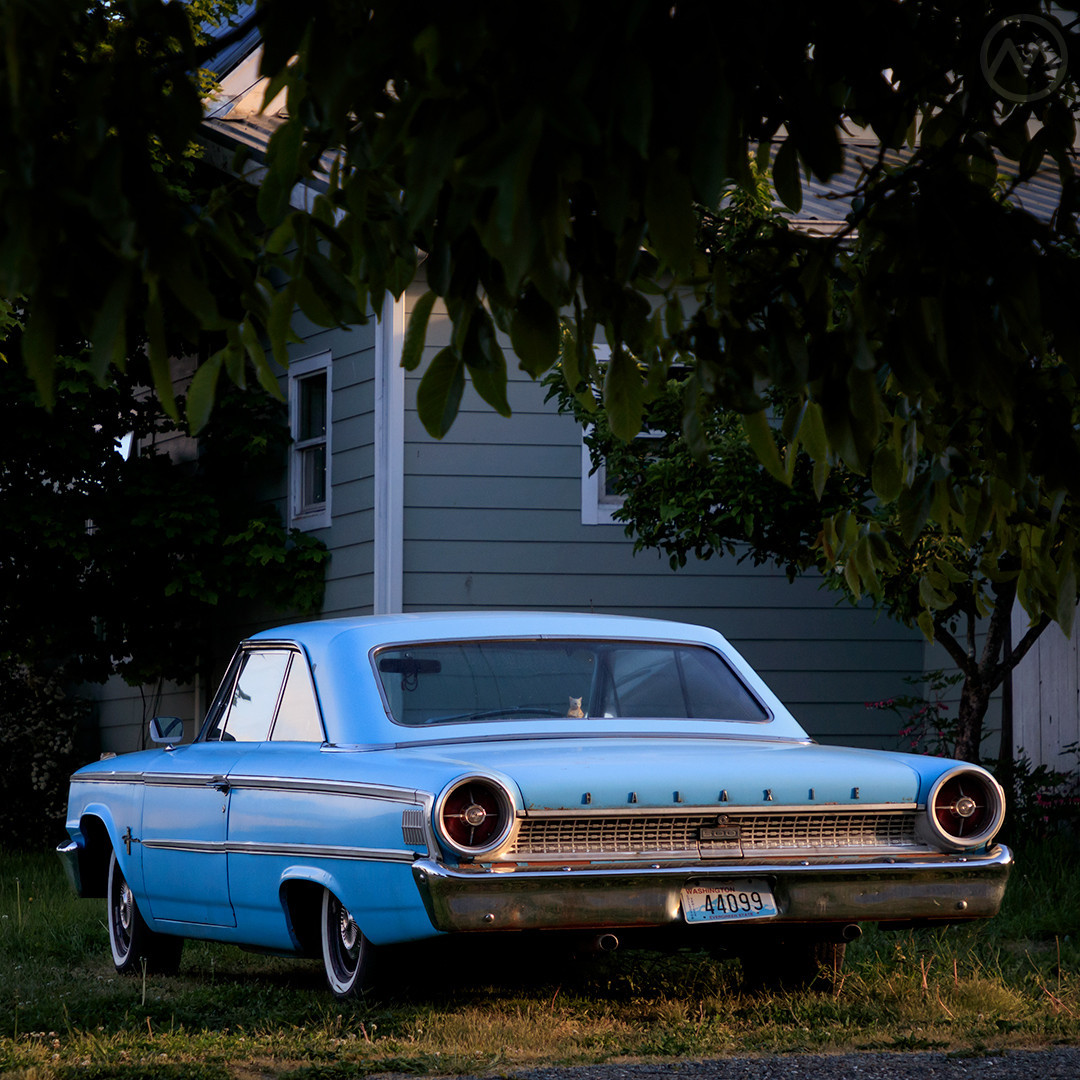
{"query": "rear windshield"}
(472, 681)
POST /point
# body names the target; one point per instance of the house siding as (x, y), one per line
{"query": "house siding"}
(350, 537)
(1046, 698)
(493, 520)
(122, 713)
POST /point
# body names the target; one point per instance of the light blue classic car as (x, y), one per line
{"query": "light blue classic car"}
(362, 782)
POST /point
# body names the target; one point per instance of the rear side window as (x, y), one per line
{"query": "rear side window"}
(298, 713)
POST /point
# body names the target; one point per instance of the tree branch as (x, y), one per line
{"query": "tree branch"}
(963, 660)
(989, 664)
(1020, 650)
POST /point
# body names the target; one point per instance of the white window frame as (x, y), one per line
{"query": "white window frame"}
(317, 517)
(597, 506)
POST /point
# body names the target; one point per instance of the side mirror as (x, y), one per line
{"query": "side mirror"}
(166, 730)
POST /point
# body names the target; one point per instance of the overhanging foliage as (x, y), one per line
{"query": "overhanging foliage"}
(551, 162)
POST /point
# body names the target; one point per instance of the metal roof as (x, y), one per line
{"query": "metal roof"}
(238, 48)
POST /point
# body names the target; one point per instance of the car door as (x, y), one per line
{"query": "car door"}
(187, 796)
(278, 806)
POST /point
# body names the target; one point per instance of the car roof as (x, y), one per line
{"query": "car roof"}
(339, 649)
(436, 625)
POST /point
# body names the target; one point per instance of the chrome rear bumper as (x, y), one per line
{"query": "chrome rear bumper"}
(928, 888)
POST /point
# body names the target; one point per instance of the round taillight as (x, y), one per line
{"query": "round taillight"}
(474, 815)
(966, 807)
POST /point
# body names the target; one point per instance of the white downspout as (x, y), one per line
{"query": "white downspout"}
(389, 458)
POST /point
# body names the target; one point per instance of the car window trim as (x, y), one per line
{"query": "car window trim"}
(224, 693)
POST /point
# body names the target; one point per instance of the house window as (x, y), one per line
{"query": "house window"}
(599, 500)
(309, 406)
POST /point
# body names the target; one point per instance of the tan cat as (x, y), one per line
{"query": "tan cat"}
(575, 707)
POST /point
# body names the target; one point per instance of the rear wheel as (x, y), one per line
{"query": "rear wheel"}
(798, 964)
(347, 954)
(131, 940)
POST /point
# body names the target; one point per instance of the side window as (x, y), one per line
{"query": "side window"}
(255, 696)
(298, 714)
(309, 468)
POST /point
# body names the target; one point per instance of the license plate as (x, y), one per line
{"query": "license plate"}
(728, 901)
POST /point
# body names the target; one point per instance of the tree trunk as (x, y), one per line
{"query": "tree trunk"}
(974, 701)
(983, 675)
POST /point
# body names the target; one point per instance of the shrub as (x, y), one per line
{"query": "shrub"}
(40, 726)
(1042, 802)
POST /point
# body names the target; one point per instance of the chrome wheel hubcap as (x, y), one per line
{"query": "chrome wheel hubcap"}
(127, 906)
(349, 931)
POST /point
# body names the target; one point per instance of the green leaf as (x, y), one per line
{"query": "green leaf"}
(886, 474)
(787, 178)
(283, 167)
(412, 348)
(821, 475)
(490, 384)
(201, 393)
(624, 395)
(760, 434)
(534, 333)
(914, 508)
(279, 324)
(39, 352)
(486, 361)
(157, 350)
(851, 579)
(811, 432)
(669, 207)
(109, 335)
(438, 396)
(283, 236)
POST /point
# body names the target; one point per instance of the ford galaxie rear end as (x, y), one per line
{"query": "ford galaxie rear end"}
(363, 782)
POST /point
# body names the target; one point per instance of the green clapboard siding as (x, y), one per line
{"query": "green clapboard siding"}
(493, 520)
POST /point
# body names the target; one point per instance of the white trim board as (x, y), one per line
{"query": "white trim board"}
(389, 459)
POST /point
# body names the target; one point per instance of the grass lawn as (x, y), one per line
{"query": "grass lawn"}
(444, 1008)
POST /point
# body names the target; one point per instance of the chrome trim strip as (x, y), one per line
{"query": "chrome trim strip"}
(195, 847)
(185, 780)
(305, 785)
(944, 888)
(298, 851)
(110, 778)
(723, 808)
(709, 855)
(551, 736)
(310, 786)
(321, 851)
